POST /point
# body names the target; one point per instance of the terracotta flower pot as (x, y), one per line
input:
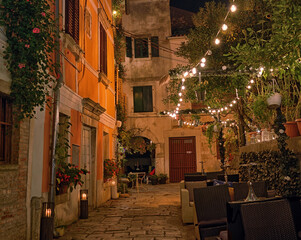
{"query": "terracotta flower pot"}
(291, 129)
(298, 121)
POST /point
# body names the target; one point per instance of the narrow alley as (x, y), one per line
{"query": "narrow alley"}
(153, 213)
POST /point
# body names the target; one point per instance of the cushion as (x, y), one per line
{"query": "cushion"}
(218, 182)
(213, 223)
(191, 185)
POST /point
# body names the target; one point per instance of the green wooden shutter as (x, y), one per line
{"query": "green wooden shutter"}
(147, 99)
(155, 46)
(138, 99)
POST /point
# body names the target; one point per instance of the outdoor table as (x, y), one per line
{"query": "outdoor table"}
(138, 174)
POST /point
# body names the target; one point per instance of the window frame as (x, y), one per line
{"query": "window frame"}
(103, 59)
(143, 50)
(147, 105)
(72, 22)
(6, 123)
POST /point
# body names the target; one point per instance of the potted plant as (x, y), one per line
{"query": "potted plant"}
(274, 101)
(162, 178)
(154, 179)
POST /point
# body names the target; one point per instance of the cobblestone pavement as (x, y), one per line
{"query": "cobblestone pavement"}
(152, 214)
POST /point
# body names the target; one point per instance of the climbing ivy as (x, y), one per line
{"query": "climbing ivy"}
(29, 26)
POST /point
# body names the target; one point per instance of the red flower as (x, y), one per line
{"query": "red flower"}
(36, 30)
(27, 45)
(21, 65)
(43, 14)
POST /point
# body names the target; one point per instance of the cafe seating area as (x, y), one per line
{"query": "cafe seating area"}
(238, 210)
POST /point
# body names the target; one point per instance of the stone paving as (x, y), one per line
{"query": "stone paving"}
(152, 214)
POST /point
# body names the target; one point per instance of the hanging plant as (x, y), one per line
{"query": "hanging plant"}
(29, 26)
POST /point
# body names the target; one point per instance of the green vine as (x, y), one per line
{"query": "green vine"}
(29, 28)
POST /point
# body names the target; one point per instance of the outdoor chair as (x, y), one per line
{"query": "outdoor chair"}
(187, 198)
(231, 177)
(268, 220)
(194, 177)
(210, 210)
(241, 190)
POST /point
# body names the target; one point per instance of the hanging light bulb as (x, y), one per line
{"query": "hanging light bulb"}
(217, 41)
(233, 8)
(209, 107)
(222, 109)
(234, 101)
(180, 94)
(183, 79)
(179, 104)
(183, 87)
(231, 105)
(180, 99)
(252, 81)
(194, 70)
(114, 12)
(177, 109)
(202, 64)
(226, 108)
(185, 74)
(224, 27)
(203, 60)
(249, 87)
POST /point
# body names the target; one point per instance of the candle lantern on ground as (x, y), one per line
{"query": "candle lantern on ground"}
(83, 204)
(47, 221)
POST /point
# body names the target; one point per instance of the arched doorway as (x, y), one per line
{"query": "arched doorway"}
(141, 158)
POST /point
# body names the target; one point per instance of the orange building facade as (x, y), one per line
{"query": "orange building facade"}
(87, 99)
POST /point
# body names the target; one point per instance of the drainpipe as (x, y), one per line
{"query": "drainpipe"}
(56, 110)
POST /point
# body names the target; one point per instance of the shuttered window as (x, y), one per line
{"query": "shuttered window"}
(72, 19)
(103, 50)
(143, 99)
(155, 46)
(141, 48)
(129, 49)
(5, 129)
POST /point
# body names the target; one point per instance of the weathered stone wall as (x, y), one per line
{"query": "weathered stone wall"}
(13, 180)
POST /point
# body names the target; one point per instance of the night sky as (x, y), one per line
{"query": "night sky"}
(191, 5)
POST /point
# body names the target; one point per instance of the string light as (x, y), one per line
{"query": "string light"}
(183, 79)
(180, 99)
(185, 74)
(203, 60)
(233, 8)
(183, 87)
(217, 41)
(252, 81)
(180, 94)
(179, 104)
(194, 70)
(202, 65)
(224, 27)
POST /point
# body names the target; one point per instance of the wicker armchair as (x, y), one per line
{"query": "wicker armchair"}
(210, 210)
(268, 220)
(241, 190)
(186, 197)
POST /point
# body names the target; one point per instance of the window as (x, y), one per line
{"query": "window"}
(129, 49)
(72, 19)
(5, 129)
(155, 46)
(143, 99)
(103, 50)
(141, 48)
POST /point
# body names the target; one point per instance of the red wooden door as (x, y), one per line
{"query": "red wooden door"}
(182, 157)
